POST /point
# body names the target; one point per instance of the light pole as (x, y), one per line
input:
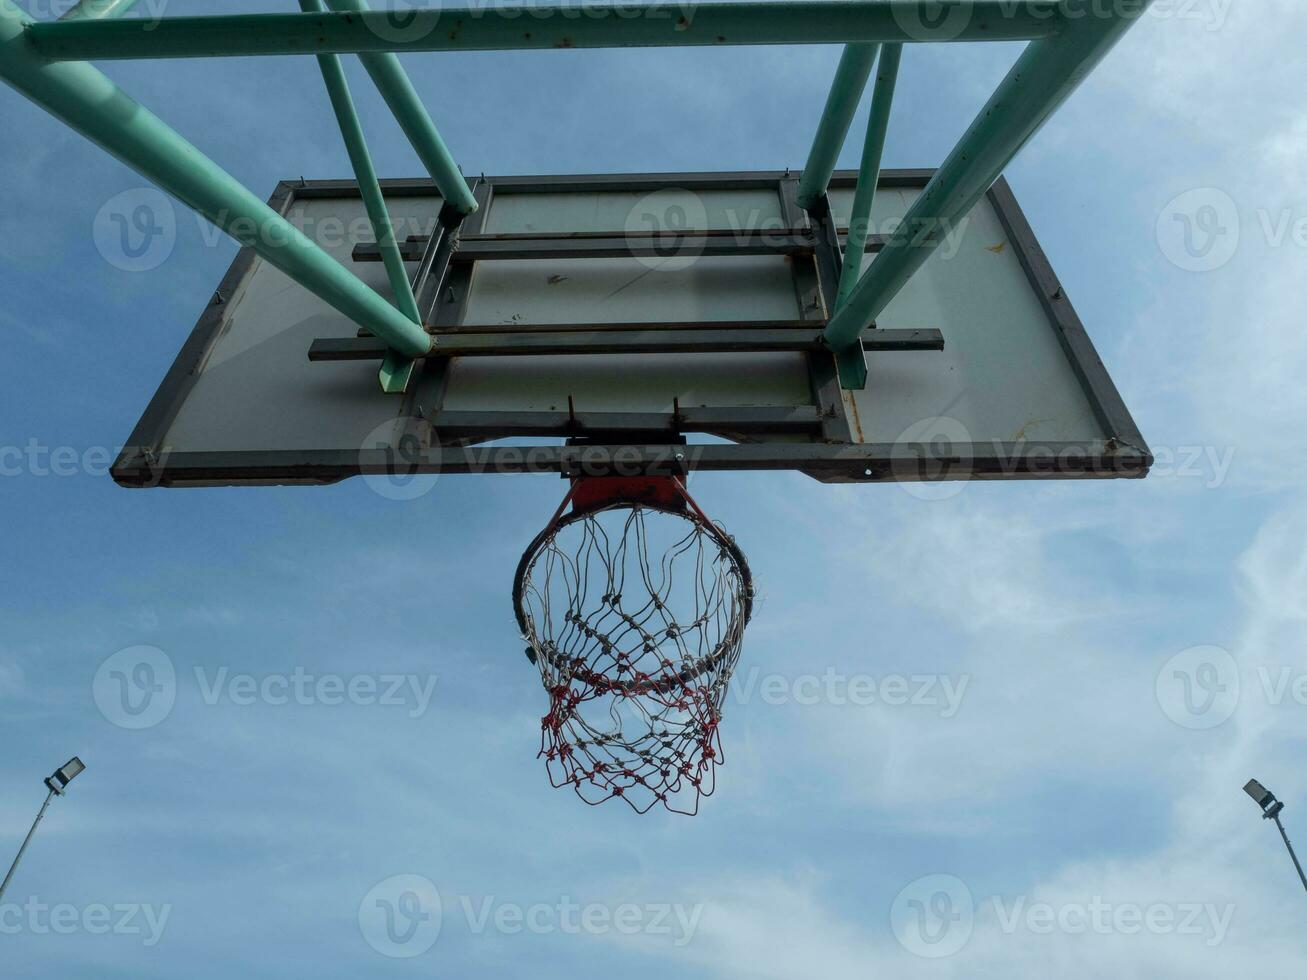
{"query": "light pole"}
(56, 785)
(1271, 808)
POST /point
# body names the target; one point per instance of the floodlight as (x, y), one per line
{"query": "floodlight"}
(64, 775)
(1262, 796)
(55, 783)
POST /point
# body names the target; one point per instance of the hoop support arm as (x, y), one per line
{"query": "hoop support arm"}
(836, 119)
(86, 100)
(1045, 75)
(536, 28)
(395, 87)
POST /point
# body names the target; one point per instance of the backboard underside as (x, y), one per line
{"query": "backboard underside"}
(678, 316)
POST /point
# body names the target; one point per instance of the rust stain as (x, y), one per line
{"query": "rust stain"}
(996, 249)
(1021, 432)
(857, 420)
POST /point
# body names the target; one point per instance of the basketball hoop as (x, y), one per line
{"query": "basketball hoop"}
(634, 606)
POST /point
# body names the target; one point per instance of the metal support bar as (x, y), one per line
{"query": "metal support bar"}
(868, 462)
(836, 119)
(650, 340)
(98, 9)
(700, 325)
(13, 868)
(1301, 875)
(394, 85)
(477, 248)
(851, 362)
(502, 425)
(1045, 75)
(83, 98)
(396, 369)
(882, 100)
(566, 26)
(627, 246)
(443, 301)
(433, 266)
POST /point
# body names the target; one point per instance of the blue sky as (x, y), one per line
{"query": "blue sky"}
(1069, 778)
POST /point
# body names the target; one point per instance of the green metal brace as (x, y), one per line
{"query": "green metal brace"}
(84, 99)
(393, 83)
(1069, 37)
(1045, 75)
(535, 27)
(396, 369)
(836, 119)
(873, 150)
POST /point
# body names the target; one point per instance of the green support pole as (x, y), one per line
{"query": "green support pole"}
(99, 9)
(853, 361)
(610, 25)
(84, 99)
(882, 101)
(395, 87)
(1043, 78)
(873, 149)
(836, 119)
(396, 369)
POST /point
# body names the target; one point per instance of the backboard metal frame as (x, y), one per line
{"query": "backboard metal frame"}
(627, 444)
(46, 62)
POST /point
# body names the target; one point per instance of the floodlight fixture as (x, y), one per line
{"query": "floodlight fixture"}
(65, 775)
(56, 784)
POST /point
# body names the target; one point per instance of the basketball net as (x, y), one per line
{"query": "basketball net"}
(634, 606)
